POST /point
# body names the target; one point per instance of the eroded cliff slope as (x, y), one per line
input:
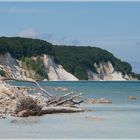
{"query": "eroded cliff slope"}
(106, 71)
(17, 69)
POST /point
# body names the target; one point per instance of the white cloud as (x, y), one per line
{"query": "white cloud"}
(68, 41)
(29, 33)
(75, 42)
(32, 33)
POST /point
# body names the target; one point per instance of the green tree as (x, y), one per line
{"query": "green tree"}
(80, 73)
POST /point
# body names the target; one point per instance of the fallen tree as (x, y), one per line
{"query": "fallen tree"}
(15, 102)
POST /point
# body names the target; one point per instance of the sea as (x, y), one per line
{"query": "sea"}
(121, 119)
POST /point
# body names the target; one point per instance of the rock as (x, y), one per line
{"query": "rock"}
(132, 97)
(61, 89)
(93, 118)
(2, 116)
(98, 101)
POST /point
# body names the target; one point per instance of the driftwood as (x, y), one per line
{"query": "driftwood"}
(53, 104)
(44, 91)
(60, 109)
(68, 100)
(31, 81)
(57, 99)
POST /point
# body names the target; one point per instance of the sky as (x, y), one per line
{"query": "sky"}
(114, 26)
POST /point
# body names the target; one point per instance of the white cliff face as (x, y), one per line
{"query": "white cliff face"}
(106, 72)
(56, 72)
(12, 67)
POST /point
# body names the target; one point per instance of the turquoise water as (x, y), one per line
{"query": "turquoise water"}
(121, 119)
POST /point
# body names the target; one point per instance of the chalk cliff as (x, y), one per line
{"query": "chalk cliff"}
(56, 72)
(13, 68)
(106, 71)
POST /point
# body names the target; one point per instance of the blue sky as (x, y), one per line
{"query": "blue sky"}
(114, 26)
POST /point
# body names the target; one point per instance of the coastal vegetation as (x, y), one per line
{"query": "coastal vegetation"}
(83, 58)
(76, 60)
(135, 75)
(3, 73)
(25, 47)
(36, 65)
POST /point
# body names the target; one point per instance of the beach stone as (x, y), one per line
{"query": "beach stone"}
(132, 97)
(98, 101)
(94, 118)
(61, 89)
